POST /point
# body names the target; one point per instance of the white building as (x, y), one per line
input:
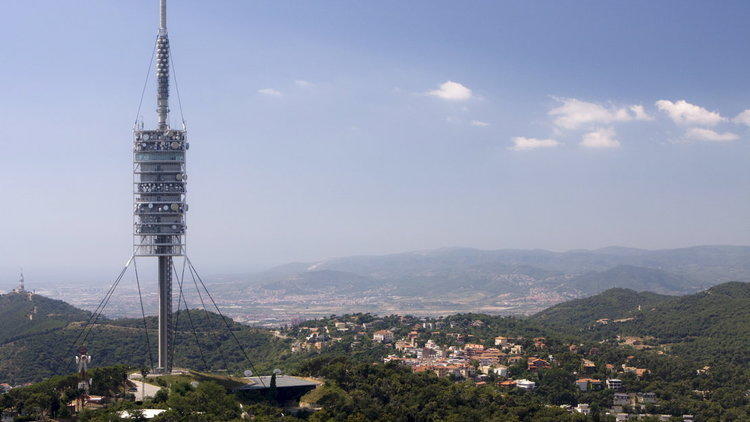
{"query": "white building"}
(525, 384)
(646, 398)
(383, 336)
(621, 399)
(500, 371)
(614, 383)
(583, 408)
(502, 341)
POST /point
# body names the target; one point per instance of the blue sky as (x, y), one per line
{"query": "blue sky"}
(323, 129)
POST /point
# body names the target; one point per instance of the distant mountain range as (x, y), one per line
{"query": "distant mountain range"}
(451, 272)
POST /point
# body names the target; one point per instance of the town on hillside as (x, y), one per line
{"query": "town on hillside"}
(604, 377)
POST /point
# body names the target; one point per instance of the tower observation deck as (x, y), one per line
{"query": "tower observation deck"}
(159, 188)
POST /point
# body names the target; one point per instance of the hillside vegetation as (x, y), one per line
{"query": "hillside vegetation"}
(580, 314)
(681, 336)
(41, 347)
(23, 315)
(707, 327)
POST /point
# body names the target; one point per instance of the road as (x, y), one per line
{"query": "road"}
(144, 390)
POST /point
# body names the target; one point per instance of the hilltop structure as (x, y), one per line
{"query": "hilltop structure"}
(21, 288)
(159, 213)
(159, 180)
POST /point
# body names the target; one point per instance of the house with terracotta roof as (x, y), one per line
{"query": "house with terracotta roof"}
(515, 359)
(639, 372)
(535, 364)
(587, 365)
(473, 349)
(502, 341)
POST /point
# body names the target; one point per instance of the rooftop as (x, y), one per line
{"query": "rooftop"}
(282, 381)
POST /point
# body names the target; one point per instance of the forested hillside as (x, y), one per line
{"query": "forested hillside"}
(34, 349)
(579, 314)
(707, 327)
(692, 354)
(25, 314)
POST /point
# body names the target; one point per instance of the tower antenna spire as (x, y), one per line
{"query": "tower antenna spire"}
(162, 68)
(163, 15)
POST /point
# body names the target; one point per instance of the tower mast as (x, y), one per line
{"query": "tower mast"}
(162, 68)
(159, 182)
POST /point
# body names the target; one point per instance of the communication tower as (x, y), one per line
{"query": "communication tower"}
(84, 382)
(159, 187)
(21, 288)
(159, 212)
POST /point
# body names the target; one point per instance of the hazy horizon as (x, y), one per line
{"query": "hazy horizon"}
(44, 278)
(336, 129)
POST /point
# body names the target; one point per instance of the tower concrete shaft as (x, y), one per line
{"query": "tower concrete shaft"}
(165, 313)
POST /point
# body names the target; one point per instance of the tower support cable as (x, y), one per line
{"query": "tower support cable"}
(229, 328)
(208, 318)
(143, 314)
(177, 90)
(179, 302)
(97, 312)
(101, 312)
(145, 83)
(190, 321)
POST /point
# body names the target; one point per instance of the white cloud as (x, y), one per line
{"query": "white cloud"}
(451, 91)
(574, 113)
(270, 92)
(700, 134)
(743, 118)
(479, 123)
(601, 138)
(303, 83)
(524, 144)
(685, 113)
(639, 113)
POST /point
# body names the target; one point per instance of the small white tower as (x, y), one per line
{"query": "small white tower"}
(84, 382)
(20, 288)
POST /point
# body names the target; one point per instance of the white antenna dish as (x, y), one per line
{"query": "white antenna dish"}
(248, 373)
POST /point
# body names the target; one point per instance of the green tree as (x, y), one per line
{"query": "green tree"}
(208, 402)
